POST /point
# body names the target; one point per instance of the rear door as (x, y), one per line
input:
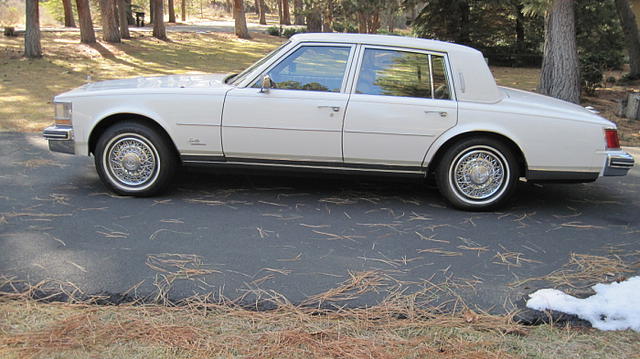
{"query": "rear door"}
(401, 102)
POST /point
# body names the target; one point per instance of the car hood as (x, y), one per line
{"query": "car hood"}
(161, 83)
(550, 107)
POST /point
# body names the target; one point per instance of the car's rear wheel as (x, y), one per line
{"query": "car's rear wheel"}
(477, 174)
(134, 159)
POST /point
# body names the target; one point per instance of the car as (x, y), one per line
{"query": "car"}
(345, 103)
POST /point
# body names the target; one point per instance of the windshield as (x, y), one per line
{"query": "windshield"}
(240, 77)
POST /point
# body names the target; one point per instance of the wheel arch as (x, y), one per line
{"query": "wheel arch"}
(439, 152)
(112, 119)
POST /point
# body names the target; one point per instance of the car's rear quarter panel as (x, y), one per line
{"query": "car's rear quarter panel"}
(548, 142)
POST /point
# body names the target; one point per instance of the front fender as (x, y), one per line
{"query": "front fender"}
(191, 119)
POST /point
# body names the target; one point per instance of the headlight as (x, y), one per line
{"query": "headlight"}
(62, 113)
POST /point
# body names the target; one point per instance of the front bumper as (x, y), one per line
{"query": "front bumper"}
(60, 139)
(618, 164)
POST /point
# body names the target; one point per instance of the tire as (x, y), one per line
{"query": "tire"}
(477, 174)
(134, 159)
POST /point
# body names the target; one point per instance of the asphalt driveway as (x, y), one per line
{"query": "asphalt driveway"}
(250, 236)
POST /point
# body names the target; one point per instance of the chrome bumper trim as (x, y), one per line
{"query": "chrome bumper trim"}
(60, 139)
(618, 164)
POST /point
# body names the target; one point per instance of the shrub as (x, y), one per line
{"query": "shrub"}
(290, 31)
(274, 31)
(387, 32)
(591, 73)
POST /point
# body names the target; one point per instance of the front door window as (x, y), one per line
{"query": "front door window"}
(311, 68)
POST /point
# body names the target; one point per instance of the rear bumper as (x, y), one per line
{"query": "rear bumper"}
(60, 139)
(618, 164)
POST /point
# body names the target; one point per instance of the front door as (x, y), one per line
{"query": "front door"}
(402, 101)
(300, 118)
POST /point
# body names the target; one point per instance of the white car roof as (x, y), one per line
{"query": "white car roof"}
(387, 40)
(471, 76)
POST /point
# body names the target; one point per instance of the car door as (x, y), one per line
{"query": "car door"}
(301, 118)
(401, 101)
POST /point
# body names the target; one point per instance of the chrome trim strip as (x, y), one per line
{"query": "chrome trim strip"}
(618, 164)
(283, 129)
(354, 167)
(55, 136)
(197, 124)
(546, 169)
(60, 139)
(535, 176)
(58, 133)
(622, 160)
(389, 133)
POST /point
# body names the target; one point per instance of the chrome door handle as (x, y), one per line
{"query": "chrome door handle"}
(442, 113)
(334, 108)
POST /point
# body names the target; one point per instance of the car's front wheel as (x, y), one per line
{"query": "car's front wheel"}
(477, 174)
(134, 159)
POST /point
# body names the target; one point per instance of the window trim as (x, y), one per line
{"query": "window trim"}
(445, 55)
(345, 76)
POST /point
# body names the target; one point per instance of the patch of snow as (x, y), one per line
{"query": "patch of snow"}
(615, 306)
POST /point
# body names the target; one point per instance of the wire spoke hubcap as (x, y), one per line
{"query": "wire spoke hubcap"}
(132, 161)
(478, 174)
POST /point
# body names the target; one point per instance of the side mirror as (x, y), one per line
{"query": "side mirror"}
(266, 84)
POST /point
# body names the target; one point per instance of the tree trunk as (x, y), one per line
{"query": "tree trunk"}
(87, 34)
(159, 31)
(116, 15)
(32, 48)
(314, 20)
(241, 22)
(151, 10)
(631, 36)
(256, 4)
(519, 8)
(298, 15)
(560, 76)
(373, 22)
(279, 3)
(263, 10)
(68, 14)
(124, 21)
(183, 10)
(110, 30)
(229, 6)
(327, 19)
(286, 14)
(362, 23)
(130, 19)
(463, 31)
(172, 12)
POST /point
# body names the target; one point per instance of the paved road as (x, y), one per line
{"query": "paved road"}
(240, 235)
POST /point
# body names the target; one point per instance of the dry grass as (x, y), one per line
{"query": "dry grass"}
(432, 322)
(584, 270)
(29, 329)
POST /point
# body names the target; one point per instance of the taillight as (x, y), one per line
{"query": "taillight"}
(611, 136)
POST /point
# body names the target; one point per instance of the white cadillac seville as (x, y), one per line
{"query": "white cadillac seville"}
(345, 103)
